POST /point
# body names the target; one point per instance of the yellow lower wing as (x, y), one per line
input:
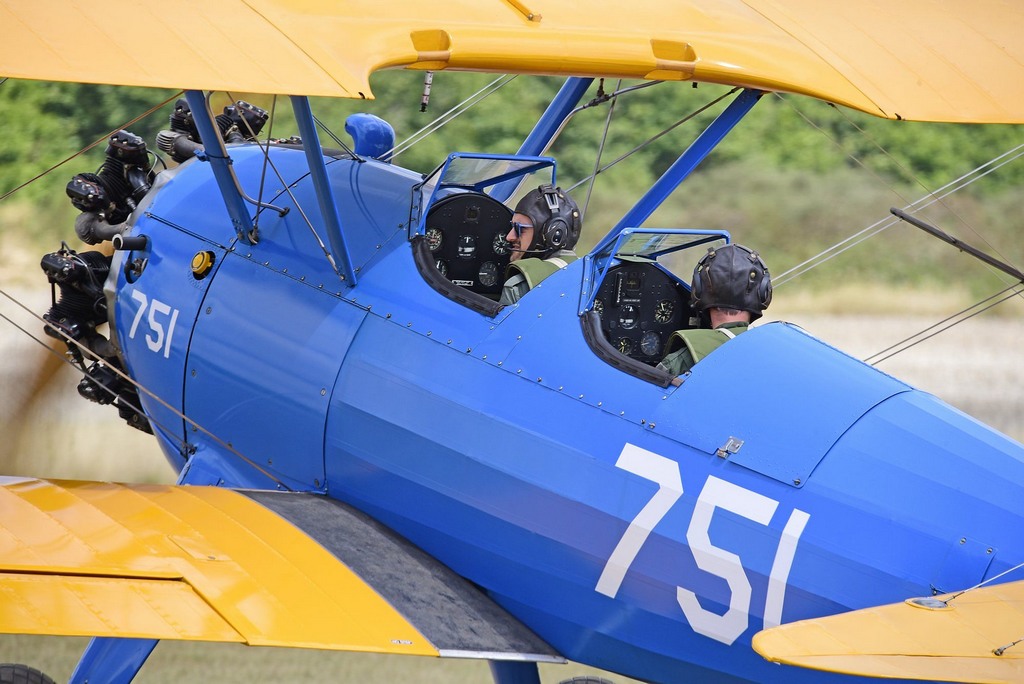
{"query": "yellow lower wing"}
(967, 639)
(211, 564)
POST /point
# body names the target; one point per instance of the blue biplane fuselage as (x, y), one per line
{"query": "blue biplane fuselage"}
(639, 528)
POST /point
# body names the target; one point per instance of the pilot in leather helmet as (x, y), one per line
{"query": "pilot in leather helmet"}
(732, 285)
(545, 227)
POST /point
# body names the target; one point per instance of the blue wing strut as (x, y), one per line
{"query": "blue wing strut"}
(688, 161)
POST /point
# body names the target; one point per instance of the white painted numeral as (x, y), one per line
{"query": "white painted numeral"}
(719, 562)
(781, 567)
(665, 473)
(143, 301)
(158, 338)
(728, 566)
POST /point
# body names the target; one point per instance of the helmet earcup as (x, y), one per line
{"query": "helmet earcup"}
(556, 233)
(764, 288)
(697, 286)
(555, 216)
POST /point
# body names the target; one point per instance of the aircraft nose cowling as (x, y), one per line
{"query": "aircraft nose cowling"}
(935, 496)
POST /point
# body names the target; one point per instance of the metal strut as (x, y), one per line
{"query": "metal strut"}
(324, 193)
(546, 128)
(959, 244)
(216, 154)
(688, 161)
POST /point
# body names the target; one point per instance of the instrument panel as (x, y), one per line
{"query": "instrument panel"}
(640, 306)
(465, 234)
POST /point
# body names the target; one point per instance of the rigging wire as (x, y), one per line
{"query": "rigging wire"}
(984, 582)
(183, 445)
(937, 195)
(91, 145)
(338, 141)
(260, 206)
(451, 114)
(930, 198)
(268, 161)
(64, 357)
(124, 376)
(600, 147)
(952, 320)
(697, 112)
(307, 221)
(910, 174)
(599, 99)
(883, 224)
(856, 160)
(298, 207)
(1001, 649)
(939, 199)
(88, 353)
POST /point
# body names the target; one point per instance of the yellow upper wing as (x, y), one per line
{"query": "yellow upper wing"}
(913, 59)
(210, 564)
(959, 642)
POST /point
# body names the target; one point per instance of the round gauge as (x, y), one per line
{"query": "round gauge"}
(627, 316)
(624, 345)
(650, 343)
(442, 267)
(488, 273)
(663, 310)
(434, 239)
(599, 308)
(467, 247)
(500, 244)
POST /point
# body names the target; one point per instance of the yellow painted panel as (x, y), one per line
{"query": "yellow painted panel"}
(954, 643)
(915, 59)
(107, 606)
(264, 577)
(968, 670)
(188, 43)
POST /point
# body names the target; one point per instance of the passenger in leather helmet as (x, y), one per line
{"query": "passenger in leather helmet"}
(732, 285)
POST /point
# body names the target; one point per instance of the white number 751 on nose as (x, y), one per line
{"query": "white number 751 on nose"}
(157, 339)
(717, 493)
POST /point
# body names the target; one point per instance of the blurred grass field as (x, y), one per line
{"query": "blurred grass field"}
(173, 662)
